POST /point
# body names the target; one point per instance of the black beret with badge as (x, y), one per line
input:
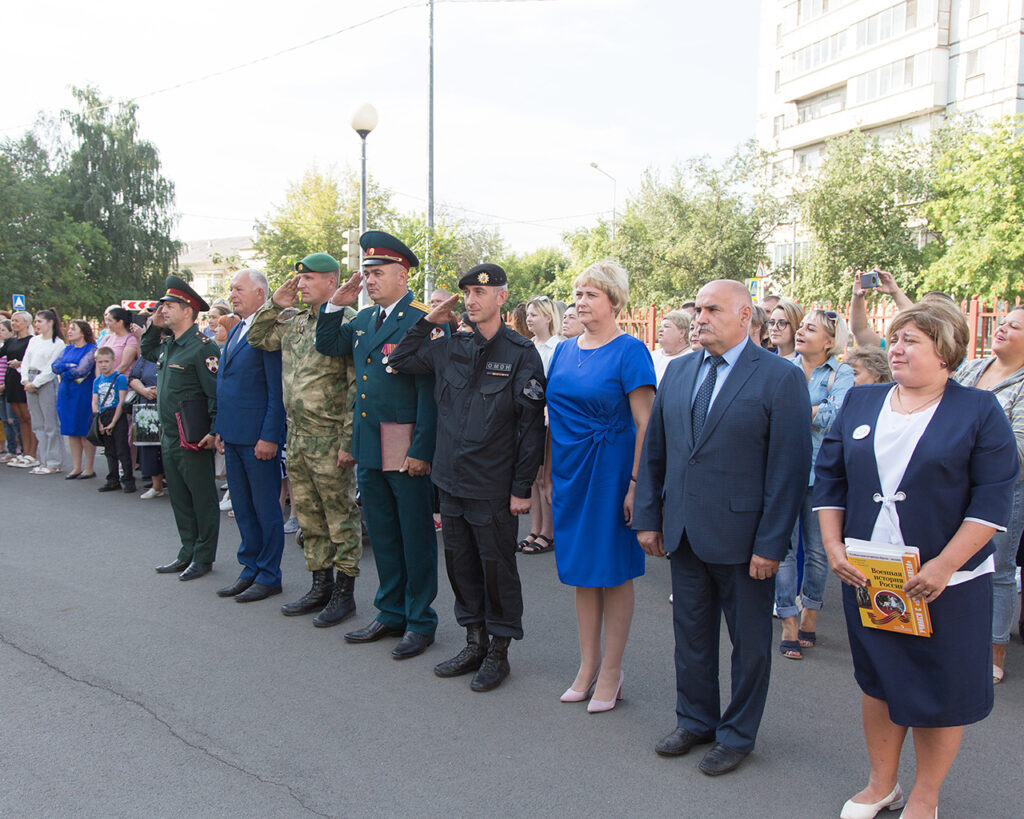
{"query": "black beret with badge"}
(489, 275)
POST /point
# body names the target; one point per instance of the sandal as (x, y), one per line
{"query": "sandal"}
(790, 649)
(535, 548)
(807, 639)
(526, 541)
(997, 674)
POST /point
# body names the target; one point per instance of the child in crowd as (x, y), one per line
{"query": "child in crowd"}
(108, 393)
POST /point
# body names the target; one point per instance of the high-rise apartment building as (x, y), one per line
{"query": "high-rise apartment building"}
(830, 66)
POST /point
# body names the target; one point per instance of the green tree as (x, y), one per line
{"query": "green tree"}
(317, 210)
(977, 210)
(44, 252)
(116, 185)
(864, 208)
(534, 274)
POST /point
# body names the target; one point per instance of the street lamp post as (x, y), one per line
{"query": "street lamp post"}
(615, 186)
(364, 120)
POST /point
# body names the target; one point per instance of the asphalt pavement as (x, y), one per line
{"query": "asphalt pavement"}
(127, 693)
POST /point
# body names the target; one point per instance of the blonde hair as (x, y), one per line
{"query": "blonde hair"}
(793, 311)
(610, 278)
(839, 331)
(943, 323)
(872, 359)
(681, 319)
(546, 307)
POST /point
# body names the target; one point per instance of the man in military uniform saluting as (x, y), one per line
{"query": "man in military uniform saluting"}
(186, 370)
(393, 434)
(317, 394)
(490, 403)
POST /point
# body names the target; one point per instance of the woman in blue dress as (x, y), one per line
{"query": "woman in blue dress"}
(600, 392)
(74, 397)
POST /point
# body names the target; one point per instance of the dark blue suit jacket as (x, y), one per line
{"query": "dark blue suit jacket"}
(249, 401)
(964, 466)
(738, 491)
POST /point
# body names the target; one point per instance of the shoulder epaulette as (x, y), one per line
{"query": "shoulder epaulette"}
(426, 308)
(201, 337)
(368, 307)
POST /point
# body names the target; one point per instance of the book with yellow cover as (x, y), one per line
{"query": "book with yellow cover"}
(882, 603)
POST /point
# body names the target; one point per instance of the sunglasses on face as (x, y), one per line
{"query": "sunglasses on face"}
(782, 324)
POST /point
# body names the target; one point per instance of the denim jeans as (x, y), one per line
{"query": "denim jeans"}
(815, 565)
(1004, 581)
(12, 429)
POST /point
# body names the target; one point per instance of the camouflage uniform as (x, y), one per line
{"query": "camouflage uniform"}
(318, 395)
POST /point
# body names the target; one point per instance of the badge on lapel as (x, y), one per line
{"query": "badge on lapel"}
(861, 432)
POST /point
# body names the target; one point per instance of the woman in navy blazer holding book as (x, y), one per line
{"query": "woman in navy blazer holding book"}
(931, 464)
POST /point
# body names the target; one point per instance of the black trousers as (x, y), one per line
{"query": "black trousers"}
(480, 555)
(115, 447)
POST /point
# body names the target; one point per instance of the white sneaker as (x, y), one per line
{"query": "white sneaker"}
(291, 526)
(151, 493)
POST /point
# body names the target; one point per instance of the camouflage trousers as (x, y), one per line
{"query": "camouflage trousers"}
(324, 500)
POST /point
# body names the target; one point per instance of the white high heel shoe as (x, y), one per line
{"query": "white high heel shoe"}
(859, 810)
(596, 706)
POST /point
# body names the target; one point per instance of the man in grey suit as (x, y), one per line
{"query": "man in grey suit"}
(725, 459)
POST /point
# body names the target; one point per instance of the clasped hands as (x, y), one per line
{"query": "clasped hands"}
(929, 582)
(653, 543)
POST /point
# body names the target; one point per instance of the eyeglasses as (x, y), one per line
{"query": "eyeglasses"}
(782, 324)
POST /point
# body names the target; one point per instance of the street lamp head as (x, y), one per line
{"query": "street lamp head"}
(364, 119)
(593, 164)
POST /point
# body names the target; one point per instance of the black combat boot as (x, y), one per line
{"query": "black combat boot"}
(470, 658)
(316, 597)
(495, 668)
(342, 604)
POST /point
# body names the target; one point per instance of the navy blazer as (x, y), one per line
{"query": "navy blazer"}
(738, 491)
(250, 407)
(964, 466)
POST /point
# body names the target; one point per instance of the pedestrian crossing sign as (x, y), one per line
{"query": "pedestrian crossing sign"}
(18, 301)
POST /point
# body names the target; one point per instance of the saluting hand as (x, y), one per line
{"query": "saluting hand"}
(287, 295)
(348, 293)
(442, 314)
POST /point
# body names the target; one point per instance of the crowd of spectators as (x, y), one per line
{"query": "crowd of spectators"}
(65, 393)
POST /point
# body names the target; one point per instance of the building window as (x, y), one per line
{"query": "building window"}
(777, 126)
(974, 63)
(889, 79)
(975, 8)
(778, 36)
(778, 81)
(821, 105)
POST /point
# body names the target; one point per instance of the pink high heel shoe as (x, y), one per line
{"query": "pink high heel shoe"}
(572, 695)
(596, 706)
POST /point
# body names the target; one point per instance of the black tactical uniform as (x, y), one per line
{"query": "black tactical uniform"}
(490, 443)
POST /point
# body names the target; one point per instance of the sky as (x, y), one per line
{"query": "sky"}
(527, 93)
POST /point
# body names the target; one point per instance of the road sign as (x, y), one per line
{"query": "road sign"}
(18, 301)
(137, 304)
(754, 286)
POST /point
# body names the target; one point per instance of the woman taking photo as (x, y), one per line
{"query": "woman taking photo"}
(40, 384)
(821, 337)
(542, 320)
(782, 324)
(600, 391)
(1003, 376)
(76, 367)
(13, 349)
(673, 341)
(930, 464)
(120, 338)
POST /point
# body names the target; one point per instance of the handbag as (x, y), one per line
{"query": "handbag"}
(94, 436)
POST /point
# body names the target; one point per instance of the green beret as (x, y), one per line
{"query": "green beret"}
(318, 263)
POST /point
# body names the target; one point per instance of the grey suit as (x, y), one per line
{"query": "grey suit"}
(732, 494)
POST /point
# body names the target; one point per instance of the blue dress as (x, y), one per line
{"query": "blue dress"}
(592, 443)
(74, 396)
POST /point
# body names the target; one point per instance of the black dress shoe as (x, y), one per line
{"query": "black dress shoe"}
(237, 587)
(680, 742)
(372, 633)
(720, 760)
(110, 487)
(195, 570)
(176, 567)
(412, 644)
(257, 591)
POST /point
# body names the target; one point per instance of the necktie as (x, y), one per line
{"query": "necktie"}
(699, 413)
(380, 317)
